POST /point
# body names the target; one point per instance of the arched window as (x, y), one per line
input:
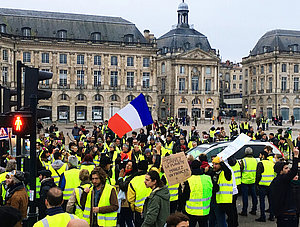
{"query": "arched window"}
(98, 97)
(130, 98)
(114, 97)
(196, 101)
(64, 97)
(80, 97)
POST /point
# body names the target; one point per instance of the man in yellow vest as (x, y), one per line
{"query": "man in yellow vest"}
(248, 168)
(264, 177)
(69, 179)
(56, 215)
(197, 193)
(223, 193)
(100, 204)
(137, 193)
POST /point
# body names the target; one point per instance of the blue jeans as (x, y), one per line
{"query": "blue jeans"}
(264, 191)
(216, 216)
(245, 188)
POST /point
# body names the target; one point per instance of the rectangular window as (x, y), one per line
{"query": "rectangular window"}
(146, 62)
(4, 75)
(163, 86)
(246, 72)
(97, 60)
(262, 69)
(181, 85)
(146, 80)
(262, 84)
(80, 78)
(208, 70)
(63, 78)
(270, 84)
(208, 85)
(182, 69)
(296, 84)
(114, 60)
(283, 83)
(26, 57)
(130, 79)
(62, 59)
(254, 70)
(45, 57)
(283, 68)
(270, 68)
(80, 59)
(241, 77)
(45, 83)
(234, 77)
(296, 68)
(234, 86)
(246, 87)
(254, 85)
(97, 78)
(195, 83)
(130, 61)
(240, 86)
(5, 55)
(113, 78)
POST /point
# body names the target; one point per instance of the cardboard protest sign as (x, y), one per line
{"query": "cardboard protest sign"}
(233, 147)
(176, 168)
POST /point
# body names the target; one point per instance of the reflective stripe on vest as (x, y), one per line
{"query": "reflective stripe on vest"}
(55, 176)
(268, 175)
(45, 221)
(249, 172)
(140, 189)
(200, 195)
(224, 195)
(237, 173)
(173, 190)
(72, 180)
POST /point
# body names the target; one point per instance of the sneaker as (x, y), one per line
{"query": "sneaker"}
(271, 219)
(252, 212)
(260, 219)
(243, 214)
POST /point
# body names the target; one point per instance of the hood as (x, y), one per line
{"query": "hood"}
(57, 164)
(161, 192)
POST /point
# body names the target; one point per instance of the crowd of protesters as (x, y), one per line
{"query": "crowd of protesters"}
(99, 179)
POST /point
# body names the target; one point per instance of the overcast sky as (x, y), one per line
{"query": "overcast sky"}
(232, 26)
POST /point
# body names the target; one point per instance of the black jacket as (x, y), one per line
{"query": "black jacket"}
(46, 184)
(281, 191)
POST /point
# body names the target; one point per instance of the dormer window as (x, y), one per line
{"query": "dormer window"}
(26, 32)
(165, 50)
(96, 36)
(187, 45)
(128, 38)
(62, 34)
(199, 45)
(266, 49)
(294, 47)
(2, 28)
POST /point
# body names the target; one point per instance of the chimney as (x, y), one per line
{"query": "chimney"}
(147, 34)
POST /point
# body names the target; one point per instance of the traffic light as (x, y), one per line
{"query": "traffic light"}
(7, 102)
(22, 124)
(32, 78)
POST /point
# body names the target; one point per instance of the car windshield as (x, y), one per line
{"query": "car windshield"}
(195, 152)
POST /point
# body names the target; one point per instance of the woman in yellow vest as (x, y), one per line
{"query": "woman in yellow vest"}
(100, 204)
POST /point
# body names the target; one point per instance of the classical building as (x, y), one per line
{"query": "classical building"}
(187, 72)
(99, 63)
(231, 88)
(271, 75)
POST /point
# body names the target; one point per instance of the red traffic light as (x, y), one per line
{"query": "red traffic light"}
(18, 123)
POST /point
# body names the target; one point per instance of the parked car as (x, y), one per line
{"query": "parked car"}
(215, 148)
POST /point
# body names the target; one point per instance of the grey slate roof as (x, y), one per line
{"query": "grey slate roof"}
(176, 38)
(282, 40)
(78, 26)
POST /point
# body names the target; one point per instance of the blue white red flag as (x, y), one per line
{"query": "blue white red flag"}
(133, 116)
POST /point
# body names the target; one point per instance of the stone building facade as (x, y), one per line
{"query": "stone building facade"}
(271, 76)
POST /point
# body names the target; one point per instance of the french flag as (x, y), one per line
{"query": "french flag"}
(133, 116)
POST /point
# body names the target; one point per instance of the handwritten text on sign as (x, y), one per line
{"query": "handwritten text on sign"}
(176, 168)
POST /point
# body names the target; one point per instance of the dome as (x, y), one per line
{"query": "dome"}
(183, 6)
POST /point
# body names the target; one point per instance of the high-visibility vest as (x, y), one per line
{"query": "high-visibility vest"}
(237, 173)
(168, 148)
(38, 187)
(78, 194)
(106, 147)
(173, 190)
(108, 219)
(72, 180)
(285, 149)
(2, 178)
(82, 137)
(140, 190)
(90, 168)
(200, 195)
(246, 125)
(56, 175)
(212, 133)
(224, 195)
(57, 220)
(97, 160)
(249, 171)
(190, 144)
(268, 175)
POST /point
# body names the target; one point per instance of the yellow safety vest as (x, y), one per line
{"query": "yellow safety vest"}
(108, 219)
(78, 193)
(249, 171)
(237, 173)
(97, 160)
(173, 190)
(224, 195)
(72, 180)
(200, 196)
(57, 220)
(168, 148)
(140, 189)
(246, 125)
(38, 187)
(56, 175)
(268, 175)
(90, 168)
